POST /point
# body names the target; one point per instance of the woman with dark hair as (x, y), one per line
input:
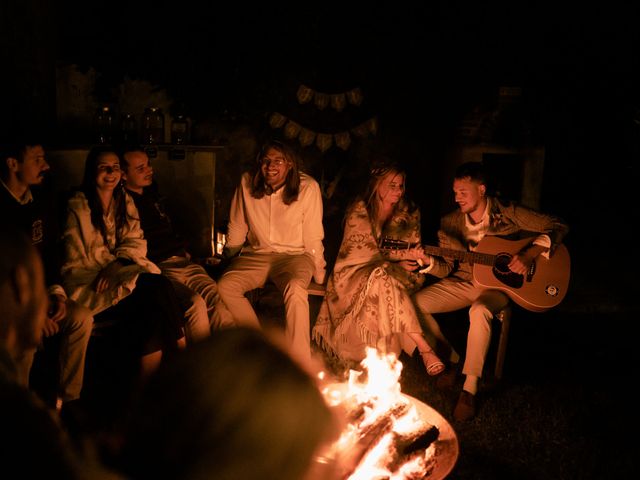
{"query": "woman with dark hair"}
(275, 222)
(368, 300)
(106, 268)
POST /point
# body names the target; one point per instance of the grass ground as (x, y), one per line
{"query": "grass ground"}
(558, 413)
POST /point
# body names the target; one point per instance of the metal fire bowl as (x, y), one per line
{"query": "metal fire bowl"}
(446, 446)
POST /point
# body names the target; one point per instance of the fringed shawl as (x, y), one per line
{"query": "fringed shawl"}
(368, 293)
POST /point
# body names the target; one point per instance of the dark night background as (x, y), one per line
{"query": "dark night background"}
(422, 68)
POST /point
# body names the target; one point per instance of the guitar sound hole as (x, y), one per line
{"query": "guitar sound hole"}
(502, 272)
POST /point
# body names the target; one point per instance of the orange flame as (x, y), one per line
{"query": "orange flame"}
(376, 394)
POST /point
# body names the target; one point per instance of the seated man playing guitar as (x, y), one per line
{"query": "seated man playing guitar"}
(463, 230)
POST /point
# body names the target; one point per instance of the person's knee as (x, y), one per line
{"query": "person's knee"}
(230, 285)
(420, 302)
(225, 287)
(295, 288)
(479, 311)
(198, 304)
(78, 317)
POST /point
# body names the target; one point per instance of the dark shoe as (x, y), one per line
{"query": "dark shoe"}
(465, 409)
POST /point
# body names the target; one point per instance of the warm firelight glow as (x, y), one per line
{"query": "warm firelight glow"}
(380, 417)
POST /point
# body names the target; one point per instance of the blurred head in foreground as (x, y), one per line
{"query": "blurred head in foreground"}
(233, 407)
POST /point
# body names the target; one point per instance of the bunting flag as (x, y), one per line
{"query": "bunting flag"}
(292, 129)
(323, 141)
(306, 137)
(277, 120)
(338, 101)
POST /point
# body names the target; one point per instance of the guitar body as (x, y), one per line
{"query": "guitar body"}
(543, 288)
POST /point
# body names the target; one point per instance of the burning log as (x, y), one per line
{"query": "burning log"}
(388, 434)
(411, 450)
(367, 437)
(419, 440)
(356, 415)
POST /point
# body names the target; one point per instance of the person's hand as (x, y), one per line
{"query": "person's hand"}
(319, 277)
(57, 308)
(409, 265)
(105, 278)
(50, 327)
(422, 259)
(521, 262)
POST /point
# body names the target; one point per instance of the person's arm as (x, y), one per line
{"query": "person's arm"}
(313, 230)
(46, 206)
(77, 256)
(132, 246)
(74, 247)
(438, 266)
(408, 258)
(79, 268)
(551, 229)
(87, 256)
(237, 228)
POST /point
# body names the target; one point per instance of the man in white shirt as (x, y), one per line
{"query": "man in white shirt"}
(275, 224)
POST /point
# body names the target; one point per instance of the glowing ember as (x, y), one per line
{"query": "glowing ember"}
(386, 437)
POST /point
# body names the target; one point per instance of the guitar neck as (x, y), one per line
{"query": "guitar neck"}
(461, 255)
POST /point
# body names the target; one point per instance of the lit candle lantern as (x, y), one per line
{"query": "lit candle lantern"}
(221, 240)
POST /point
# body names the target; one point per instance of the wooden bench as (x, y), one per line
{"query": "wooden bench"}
(316, 289)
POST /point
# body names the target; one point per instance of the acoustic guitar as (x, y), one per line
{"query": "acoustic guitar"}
(543, 287)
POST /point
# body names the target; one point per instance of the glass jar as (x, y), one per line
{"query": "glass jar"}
(180, 130)
(152, 126)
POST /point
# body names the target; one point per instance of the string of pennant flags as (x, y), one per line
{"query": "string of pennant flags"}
(338, 101)
(323, 141)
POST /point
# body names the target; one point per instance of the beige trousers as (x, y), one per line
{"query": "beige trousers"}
(198, 296)
(75, 332)
(291, 274)
(450, 294)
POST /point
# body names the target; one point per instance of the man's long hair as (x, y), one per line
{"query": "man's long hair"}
(291, 187)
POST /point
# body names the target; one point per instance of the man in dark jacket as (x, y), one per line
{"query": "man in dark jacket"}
(196, 290)
(22, 166)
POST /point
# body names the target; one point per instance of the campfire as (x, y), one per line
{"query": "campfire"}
(389, 435)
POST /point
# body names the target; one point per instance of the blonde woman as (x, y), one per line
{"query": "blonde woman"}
(368, 300)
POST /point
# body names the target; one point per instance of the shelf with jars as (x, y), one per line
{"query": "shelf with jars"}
(185, 175)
